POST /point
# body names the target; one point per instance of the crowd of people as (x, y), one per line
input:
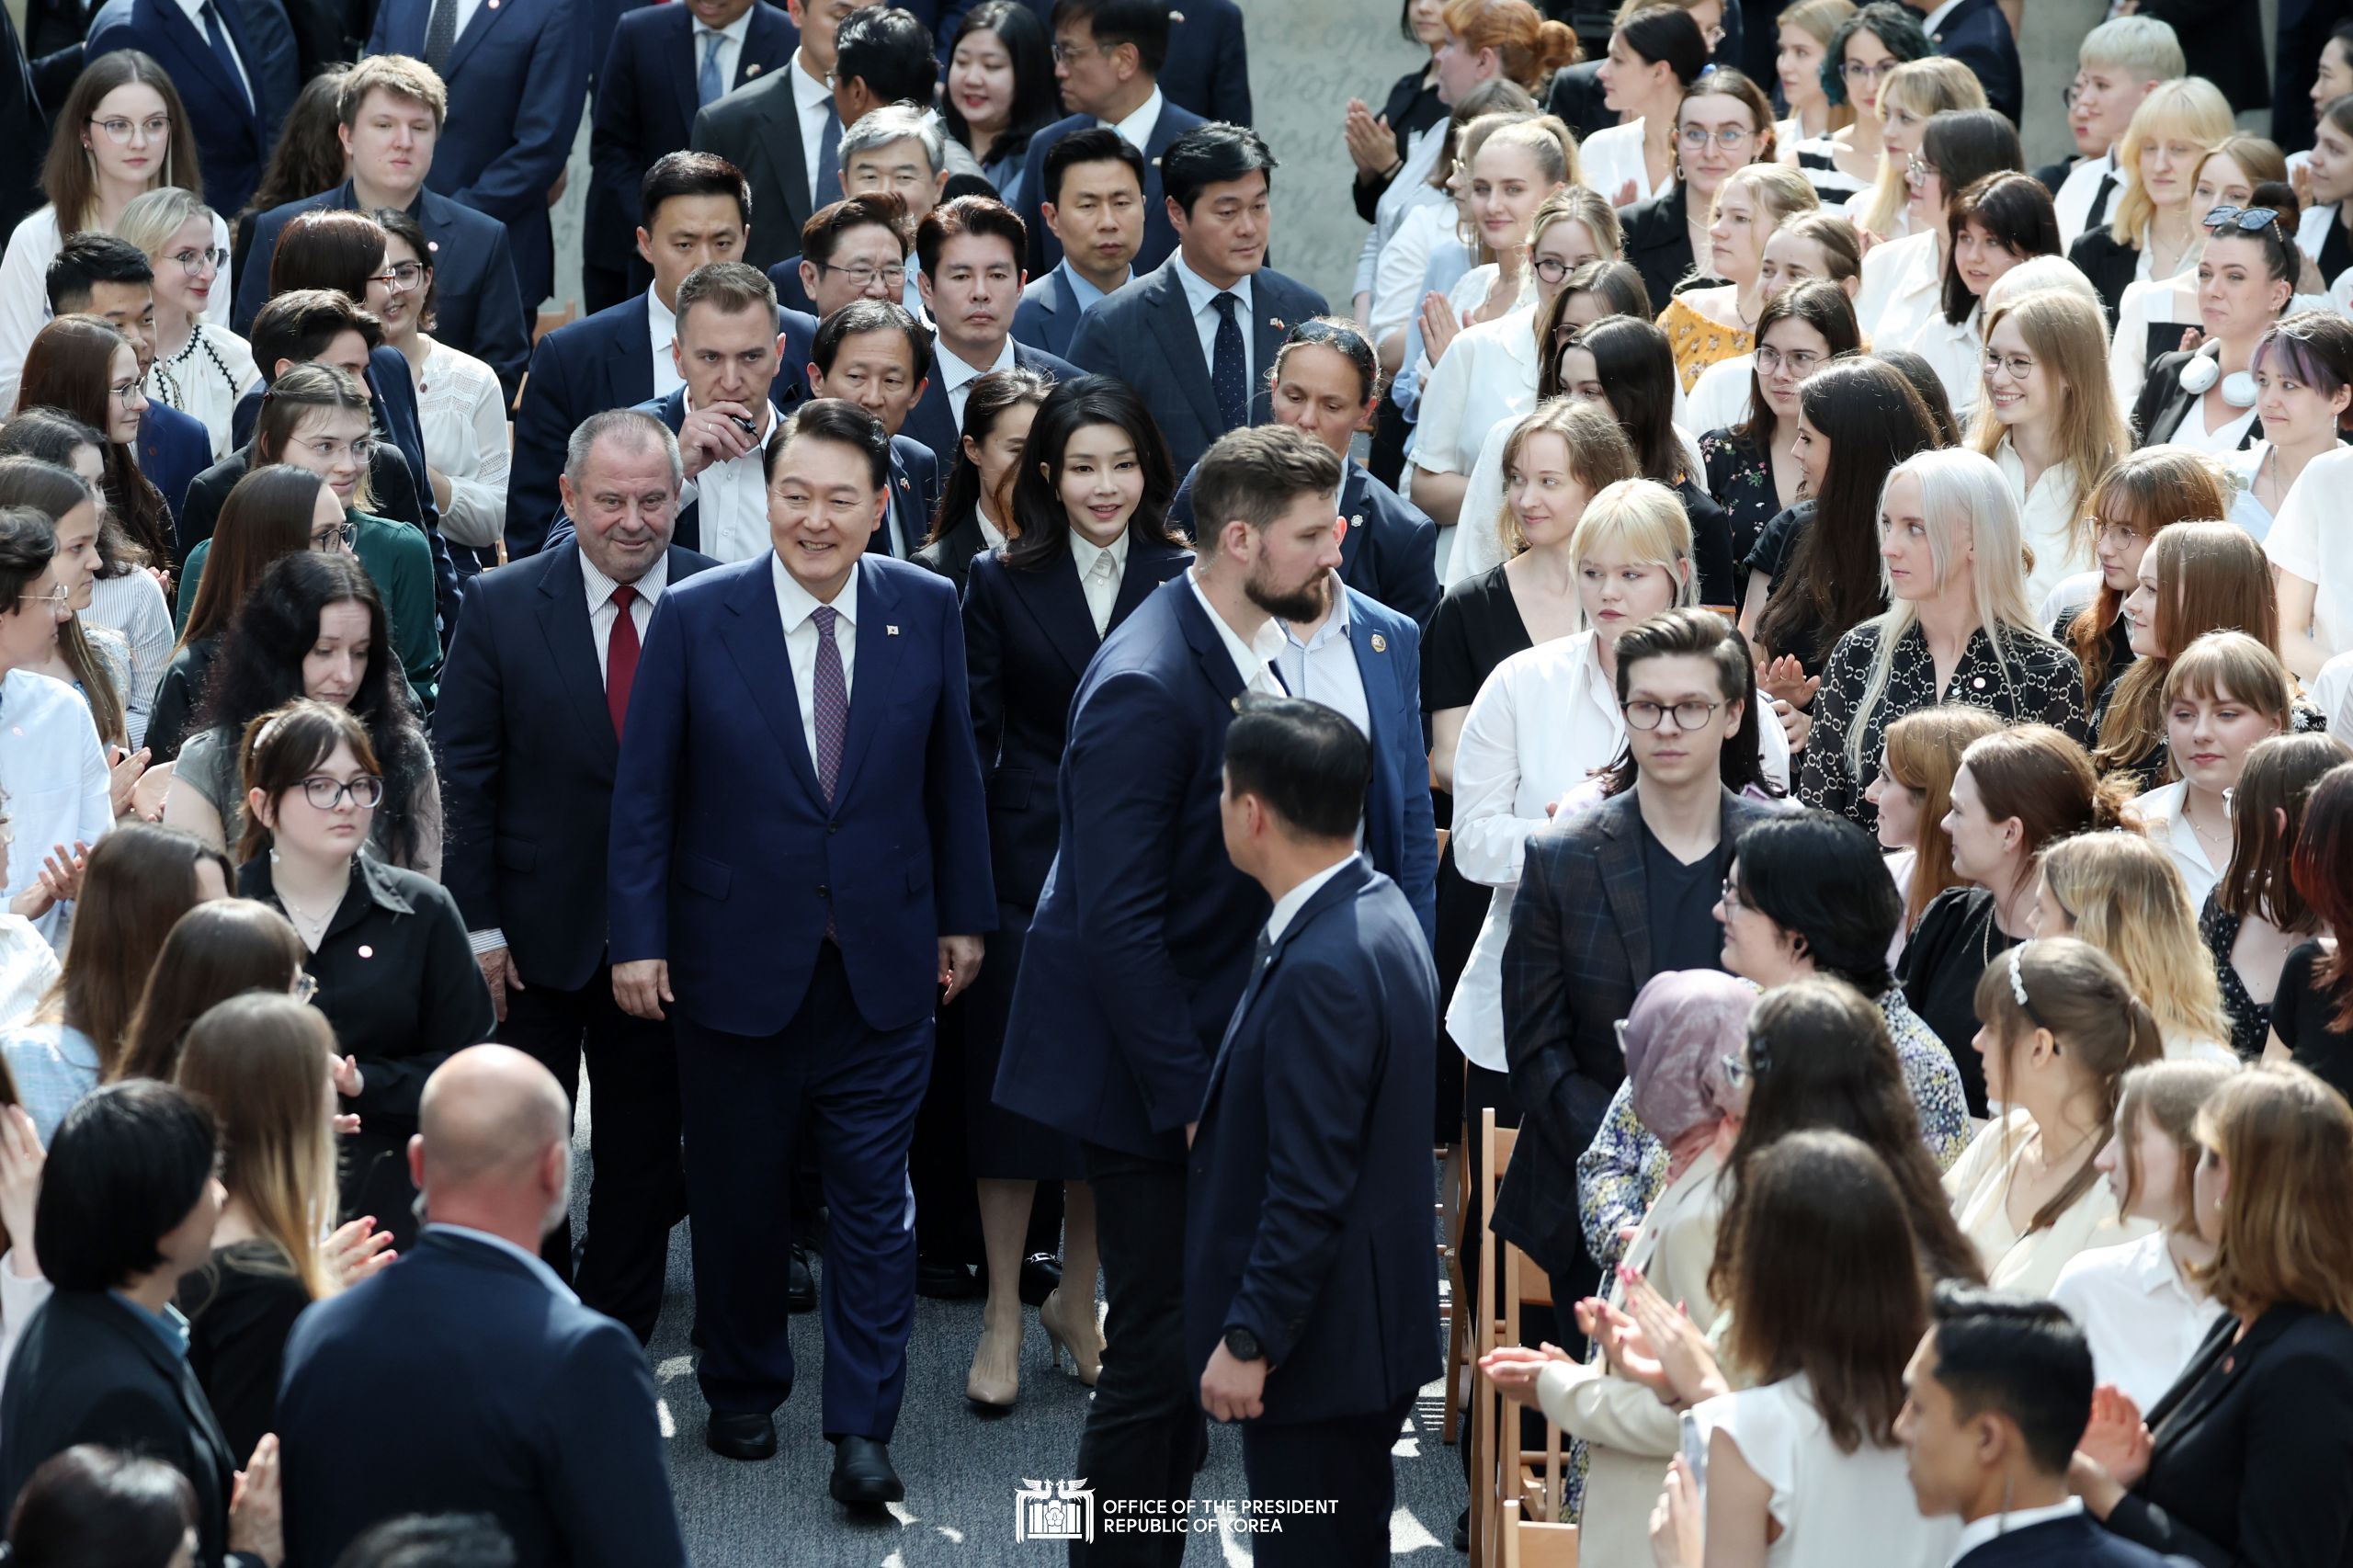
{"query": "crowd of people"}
(1033, 760)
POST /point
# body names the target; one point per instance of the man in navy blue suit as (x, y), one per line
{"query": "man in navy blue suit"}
(968, 254)
(800, 870)
(527, 726)
(488, 1387)
(1196, 334)
(784, 132)
(1995, 1400)
(102, 276)
(1094, 204)
(1310, 1322)
(1208, 64)
(1976, 33)
(213, 63)
(663, 65)
(857, 248)
(697, 211)
(874, 354)
(392, 111)
(1142, 934)
(517, 78)
(1107, 55)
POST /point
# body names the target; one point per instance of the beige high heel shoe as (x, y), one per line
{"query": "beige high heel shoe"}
(1083, 1339)
(995, 1379)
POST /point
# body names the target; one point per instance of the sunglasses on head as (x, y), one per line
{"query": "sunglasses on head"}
(2249, 220)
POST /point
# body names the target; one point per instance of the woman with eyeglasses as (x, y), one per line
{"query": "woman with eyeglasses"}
(2143, 494)
(1992, 224)
(1723, 123)
(1712, 324)
(2255, 916)
(313, 627)
(2303, 389)
(1654, 54)
(2152, 317)
(201, 366)
(120, 133)
(1856, 58)
(84, 366)
(2152, 230)
(93, 659)
(1913, 93)
(1811, 246)
(1753, 467)
(2203, 399)
(1906, 280)
(316, 418)
(396, 975)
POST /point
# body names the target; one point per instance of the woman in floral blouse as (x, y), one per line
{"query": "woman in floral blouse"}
(1753, 471)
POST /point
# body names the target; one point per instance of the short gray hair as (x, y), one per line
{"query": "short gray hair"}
(896, 122)
(629, 427)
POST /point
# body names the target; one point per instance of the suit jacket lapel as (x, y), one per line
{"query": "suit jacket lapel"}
(199, 47)
(1171, 316)
(753, 635)
(1344, 884)
(1058, 604)
(1137, 583)
(572, 645)
(686, 65)
(183, 1379)
(633, 371)
(1268, 325)
(1624, 884)
(780, 133)
(875, 664)
(485, 17)
(1356, 500)
(763, 42)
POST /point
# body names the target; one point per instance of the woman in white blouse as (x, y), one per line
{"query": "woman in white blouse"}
(2049, 421)
(2138, 1303)
(1651, 59)
(2060, 1028)
(201, 366)
(1905, 281)
(2223, 694)
(122, 131)
(460, 409)
(1915, 93)
(1993, 223)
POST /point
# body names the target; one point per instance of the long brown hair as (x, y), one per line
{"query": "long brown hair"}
(140, 879)
(2322, 868)
(304, 390)
(266, 516)
(2067, 334)
(261, 1061)
(2267, 817)
(1924, 750)
(308, 158)
(215, 951)
(2210, 577)
(2170, 1094)
(2286, 1139)
(70, 366)
(68, 176)
(54, 493)
(2041, 777)
(2148, 491)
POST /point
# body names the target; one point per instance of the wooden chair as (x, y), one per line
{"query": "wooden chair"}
(1536, 1543)
(1462, 1357)
(1522, 1282)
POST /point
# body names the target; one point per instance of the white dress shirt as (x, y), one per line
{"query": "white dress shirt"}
(1957, 354)
(1488, 375)
(2312, 539)
(2160, 811)
(732, 497)
(1323, 668)
(957, 377)
(798, 607)
(1200, 295)
(1610, 157)
(461, 415)
(1994, 1525)
(1286, 907)
(731, 50)
(1137, 128)
(2076, 194)
(813, 100)
(1099, 569)
(1252, 660)
(1903, 287)
(991, 535)
(2049, 520)
(194, 11)
(54, 773)
(2141, 1317)
(2312, 228)
(661, 336)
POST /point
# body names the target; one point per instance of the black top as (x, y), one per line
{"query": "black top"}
(179, 697)
(1773, 554)
(1658, 241)
(2120, 651)
(1740, 477)
(240, 1308)
(2110, 265)
(1477, 626)
(2301, 1009)
(1412, 106)
(1713, 551)
(1684, 933)
(2250, 1019)
(2336, 248)
(2146, 771)
(1949, 951)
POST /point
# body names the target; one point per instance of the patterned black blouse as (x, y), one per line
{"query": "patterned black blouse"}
(2250, 1019)
(2042, 685)
(1740, 476)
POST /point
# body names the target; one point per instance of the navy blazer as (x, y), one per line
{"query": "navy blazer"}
(2075, 1542)
(526, 843)
(1400, 826)
(603, 361)
(519, 78)
(1308, 1194)
(1390, 552)
(478, 307)
(487, 1390)
(1143, 335)
(1159, 235)
(727, 858)
(22, 125)
(646, 101)
(1027, 640)
(757, 129)
(1144, 930)
(1207, 70)
(231, 126)
(1978, 35)
(932, 420)
(174, 447)
(1048, 314)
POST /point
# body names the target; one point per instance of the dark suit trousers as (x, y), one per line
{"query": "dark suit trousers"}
(1145, 1434)
(743, 1098)
(1341, 1466)
(637, 1189)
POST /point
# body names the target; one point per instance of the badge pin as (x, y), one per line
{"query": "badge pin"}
(1357, 521)
(1380, 644)
(752, 69)
(366, 951)
(890, 632)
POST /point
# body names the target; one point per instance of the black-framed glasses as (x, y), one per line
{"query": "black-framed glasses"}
(328, 794)
(1642, 715)
(2247, 220)
(401, 274)
(1729, 896)
(1551, 268)
(329, 541)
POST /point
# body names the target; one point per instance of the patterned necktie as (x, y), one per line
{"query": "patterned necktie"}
(830, 696)
(440, 32)
(620, 657)
(708, 84)
(218, 37)
(829, 160)
(1229, 376)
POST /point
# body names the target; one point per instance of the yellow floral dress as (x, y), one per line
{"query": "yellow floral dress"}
(1698, 342)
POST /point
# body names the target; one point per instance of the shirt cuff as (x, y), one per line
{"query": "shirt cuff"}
(488, 941)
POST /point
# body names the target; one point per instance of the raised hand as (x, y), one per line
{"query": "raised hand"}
(20, 1165)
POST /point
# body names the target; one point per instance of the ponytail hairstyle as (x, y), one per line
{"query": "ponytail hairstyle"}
(1545, 139)
(991, 397)
(2266, 820)
(1497, 95)
(1529, 46)
(1620, 287)
(2283, 261)
(2041, 778)
(2077, 993)
(1666, 32)
(1822, 20)
(2148, 492)
(2128, 900)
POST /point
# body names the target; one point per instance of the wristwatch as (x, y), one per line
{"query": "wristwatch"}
(1241, 1344)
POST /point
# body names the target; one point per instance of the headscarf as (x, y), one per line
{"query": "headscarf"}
(1684, 1023)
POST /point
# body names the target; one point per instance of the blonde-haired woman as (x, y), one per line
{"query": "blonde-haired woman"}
(2153, 229)
(2119, 893)
(1915, 93)
(1804, 33)
(1518, 167)
(2223, 695)
(1707, 325)
(2048, 420)
(201, 366)
(1958, 629)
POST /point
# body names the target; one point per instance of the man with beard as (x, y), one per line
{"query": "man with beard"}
(1143, 933)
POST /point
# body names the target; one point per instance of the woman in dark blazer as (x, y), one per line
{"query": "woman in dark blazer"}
(1656, 238)
(2245, 1459)
(128, 1206)
(978, 497)
(1091, 512)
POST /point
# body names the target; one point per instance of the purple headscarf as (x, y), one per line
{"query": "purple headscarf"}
(1685, 1022)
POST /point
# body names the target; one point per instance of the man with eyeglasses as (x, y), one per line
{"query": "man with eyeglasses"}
(853, 249)
(390, 112)
(52, 770)
(2118, 64)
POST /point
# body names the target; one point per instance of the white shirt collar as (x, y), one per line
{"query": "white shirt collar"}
(600, 587)
(1249, 658)
(736, 32)
(1333, 625)
(1286, 907)
(955, 375)
(530, 1260)
(1199, 291)
(1936, 19)
(1978, 1532)
(991, 535)
(1085, 551)
(808, 91)
(797, 604)
(1137, 128)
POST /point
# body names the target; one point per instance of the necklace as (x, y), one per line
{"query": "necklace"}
(311, 928)
(2211, 840)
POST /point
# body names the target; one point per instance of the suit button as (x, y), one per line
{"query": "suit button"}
(824, 891)
(833, 827)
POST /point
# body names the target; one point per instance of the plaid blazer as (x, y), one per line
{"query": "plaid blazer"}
(1579, 949)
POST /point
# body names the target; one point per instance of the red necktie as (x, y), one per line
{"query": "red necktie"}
(620, 657)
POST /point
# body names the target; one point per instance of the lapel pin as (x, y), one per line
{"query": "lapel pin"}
(890, 632)
(1380, 644)
(1277, 322)
(433, 244)
(366, 951)
(1357, 521)
(752, 69)
(902, 481)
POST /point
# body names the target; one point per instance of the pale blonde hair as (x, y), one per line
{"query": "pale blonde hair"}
(1547, 140)
(2191, 108)
(1647, 520)
(1820, 20)
(155, 216)
(1927, 87)
(2129, 900)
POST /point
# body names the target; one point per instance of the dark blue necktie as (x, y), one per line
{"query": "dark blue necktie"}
(1229, 373)
(829, 160)
(219, 38)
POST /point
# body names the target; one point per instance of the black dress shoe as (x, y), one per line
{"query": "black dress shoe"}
(862, 1473)
(948, 1281)
(800, 1289)
(1040, 1273)
(739, 1435)
(1462, 1531)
